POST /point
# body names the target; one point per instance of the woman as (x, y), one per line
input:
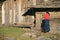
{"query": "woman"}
(46, 26)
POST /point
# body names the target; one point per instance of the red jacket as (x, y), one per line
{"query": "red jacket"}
(46, 16)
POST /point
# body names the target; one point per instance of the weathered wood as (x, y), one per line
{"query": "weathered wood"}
(19, 11)
(15, 9)
(47, 4)
(38, 20)
(29, 20)
(3, 13)
(7, 13)
(54, 15)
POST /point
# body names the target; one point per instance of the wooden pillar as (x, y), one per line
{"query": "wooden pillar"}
(19, 14)
(15, 12)
(11, 12)
(11, 22)
(38, 20)
(7, 13)
(3, 12)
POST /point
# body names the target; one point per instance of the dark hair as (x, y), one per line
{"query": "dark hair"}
(48, 13)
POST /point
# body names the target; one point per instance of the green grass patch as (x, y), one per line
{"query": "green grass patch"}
(18, 32)
(12, 32)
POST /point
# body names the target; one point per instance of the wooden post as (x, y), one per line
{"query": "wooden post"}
(14, 11)
(7, 13)
(11, 12)
(11, 22)
(19, 10)
(3, 12)
(38, 20)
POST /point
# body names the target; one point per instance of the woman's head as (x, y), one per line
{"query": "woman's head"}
(48, 13)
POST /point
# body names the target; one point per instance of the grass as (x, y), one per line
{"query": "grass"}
(18, 32)
(13, 32)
